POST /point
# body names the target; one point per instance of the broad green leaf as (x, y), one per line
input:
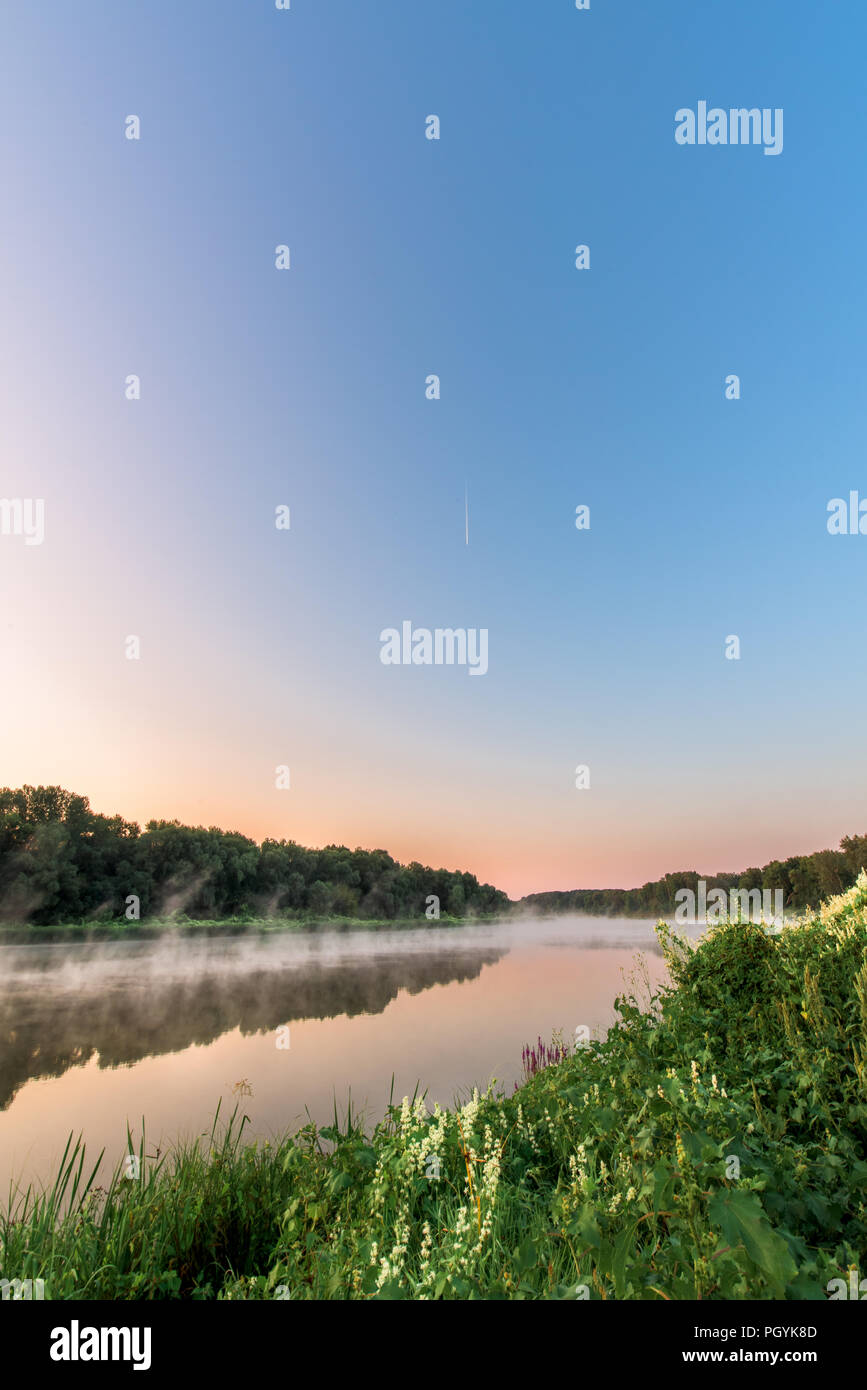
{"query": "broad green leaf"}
(740, 1217)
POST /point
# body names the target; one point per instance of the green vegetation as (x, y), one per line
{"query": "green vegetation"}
(60, 862)
(712, 1146)
(114, 929)
(805, 880)
(63, 865)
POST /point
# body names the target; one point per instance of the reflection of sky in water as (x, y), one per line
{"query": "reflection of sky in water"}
(98, 1035)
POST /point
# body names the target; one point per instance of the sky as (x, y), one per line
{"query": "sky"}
(306, 387)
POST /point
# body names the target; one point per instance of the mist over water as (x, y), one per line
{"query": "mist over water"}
(96, 1036)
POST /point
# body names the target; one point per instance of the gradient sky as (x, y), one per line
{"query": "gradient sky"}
(259, 387)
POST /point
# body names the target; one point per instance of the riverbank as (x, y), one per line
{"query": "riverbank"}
(29, 933)
(713, 1146)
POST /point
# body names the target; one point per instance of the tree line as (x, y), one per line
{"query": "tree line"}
(805, 881)
(62, 862)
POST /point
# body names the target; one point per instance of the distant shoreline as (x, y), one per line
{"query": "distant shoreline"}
(26, 933)
(152, 929)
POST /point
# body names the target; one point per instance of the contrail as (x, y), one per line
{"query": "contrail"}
(466, 514)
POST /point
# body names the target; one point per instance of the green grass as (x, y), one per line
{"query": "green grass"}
(713, 1146)
(114, 929)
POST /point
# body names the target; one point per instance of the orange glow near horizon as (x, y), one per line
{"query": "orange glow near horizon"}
(510, 857)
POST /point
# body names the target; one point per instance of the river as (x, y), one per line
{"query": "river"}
(98, 1037)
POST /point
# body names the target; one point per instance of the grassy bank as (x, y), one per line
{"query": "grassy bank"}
(713, 1146)
(33, 933)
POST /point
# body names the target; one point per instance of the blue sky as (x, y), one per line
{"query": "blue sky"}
(559, 387)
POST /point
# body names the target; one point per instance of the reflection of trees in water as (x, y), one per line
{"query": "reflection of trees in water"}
(45, 1030)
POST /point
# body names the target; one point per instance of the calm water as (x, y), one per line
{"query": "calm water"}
(95, 1037)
